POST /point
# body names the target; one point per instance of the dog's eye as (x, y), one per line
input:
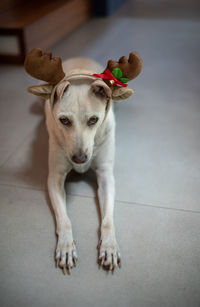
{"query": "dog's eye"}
(92, 121)
(66, 121)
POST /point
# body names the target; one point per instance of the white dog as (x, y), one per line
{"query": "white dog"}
(81, 127)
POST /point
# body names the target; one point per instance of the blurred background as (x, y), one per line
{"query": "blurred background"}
(157, 169)
(26, 24)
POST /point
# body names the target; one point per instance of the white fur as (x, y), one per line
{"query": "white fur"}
(79, 103)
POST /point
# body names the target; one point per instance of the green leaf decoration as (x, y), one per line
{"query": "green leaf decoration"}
(117, 73)
(124, 80)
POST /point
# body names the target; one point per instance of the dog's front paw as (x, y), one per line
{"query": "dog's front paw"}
(109, 254)
(66, 256)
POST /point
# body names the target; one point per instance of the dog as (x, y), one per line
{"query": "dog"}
(81, 127)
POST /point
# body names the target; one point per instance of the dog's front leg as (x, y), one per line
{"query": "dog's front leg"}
(66, 256)
(109, 254)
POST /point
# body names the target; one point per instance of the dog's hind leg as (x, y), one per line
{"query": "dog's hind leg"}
(66, 256)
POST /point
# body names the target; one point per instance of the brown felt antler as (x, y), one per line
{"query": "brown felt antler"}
(43, 66)
(130, 68)
(119, 73)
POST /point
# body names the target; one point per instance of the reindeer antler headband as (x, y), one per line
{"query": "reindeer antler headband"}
(119, 73)
(44, 67)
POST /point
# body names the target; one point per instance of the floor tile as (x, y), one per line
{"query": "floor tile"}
(160, 250)
(28, 166)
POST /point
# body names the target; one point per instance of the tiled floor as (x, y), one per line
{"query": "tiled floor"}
(157, 172)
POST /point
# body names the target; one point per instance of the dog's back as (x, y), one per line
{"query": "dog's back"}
(82, 64)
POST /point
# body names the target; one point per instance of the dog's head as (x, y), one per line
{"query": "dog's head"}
(79, 104)
(79, 109)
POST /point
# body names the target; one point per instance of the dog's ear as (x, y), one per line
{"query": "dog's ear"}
(101, 89)
(43, 90)
(61, 88)
(121, 93)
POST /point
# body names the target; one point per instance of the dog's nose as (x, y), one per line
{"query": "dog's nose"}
(80, 158)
